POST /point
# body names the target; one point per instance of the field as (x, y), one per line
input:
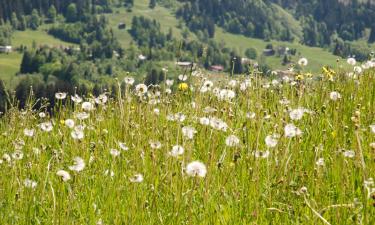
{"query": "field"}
(244, 151)
(10, 64)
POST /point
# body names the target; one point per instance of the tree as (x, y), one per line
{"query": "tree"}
(52, 14)
(152, 4)
(26, 62)
(71, 13)
(251, 53)
(372, 35)
(34, 20)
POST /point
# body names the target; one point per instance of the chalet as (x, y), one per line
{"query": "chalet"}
(217, 68)
(185, 64)
(6, 49)
(268, 52)
(121, 26)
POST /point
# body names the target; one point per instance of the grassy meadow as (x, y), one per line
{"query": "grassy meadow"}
(246, 150)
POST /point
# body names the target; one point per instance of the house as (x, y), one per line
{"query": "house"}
(121, 26)
(6, 49)
(217, 68)
(247, 61)
(186, 65)
(268, 52)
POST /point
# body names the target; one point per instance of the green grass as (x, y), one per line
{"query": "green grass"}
(163, 15)
(9, 66)
(317, 57)
(287, 187)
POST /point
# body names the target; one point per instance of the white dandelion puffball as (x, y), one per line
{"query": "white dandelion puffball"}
(155, 144)
(261, 154)
(114, 152)
(351, 61)
(88, 106)
(204, 121)
(28, 132)
(77, 134)
(303, 62)
(349, 154)
(60, 95)
(357, 69)
(176, 151)
(141, 89)
(129, 80)
(232, 141)
(320, 162)
(372, 128)
(188, 132)
(17, 155)
(69, 123)
(291, 131)
(30, 183)
(46, 126)
(79, 164)
(196, 169)
(76, 99)
(82, 115)
(65, 176)
(123, 146)
(182, 77)
(271, 140)
(334, 96)
(296, 114)
(169, 82)
(137, 178)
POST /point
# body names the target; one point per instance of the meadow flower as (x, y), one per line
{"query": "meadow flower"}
(79, 164)
(297, 114)
(188, 132)
(137, 178)
(250, 115)
(261, 154)
(232, 141)
(82, 115)
(28, 132)
(176, 151)
(6, 157)
(123, 146)
(271, 140)
(183, 87)
(30, 183)
(141, 89)
(291, 130)
(284, 101)
(69, 123)
(218, 124)
(349, 154)
(155, 144)
(180, 117)
(46, 126)
(65, 176)
(88, 106)
(351, 61)
(303, 62)
(195, 169)
(76, 99)
(357, 70)
(320, 162)
(372, 128)
(114, 152)
(204, 121)
(17, 155)
(42, 115)
(207, 85)
(101, 99)
(209, 109)
(168, 91)
(60, 95)
(182, 77)
(244, 85)
(226, 94)
(169, 83)
(129, 80)
(232, 83)
(334, 96)
(77, 134)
